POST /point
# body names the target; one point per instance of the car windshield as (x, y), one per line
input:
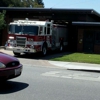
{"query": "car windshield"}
(15, 29)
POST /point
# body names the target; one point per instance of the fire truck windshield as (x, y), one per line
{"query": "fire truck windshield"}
(16, 29)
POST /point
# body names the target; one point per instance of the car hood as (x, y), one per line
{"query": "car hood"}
(5, 58)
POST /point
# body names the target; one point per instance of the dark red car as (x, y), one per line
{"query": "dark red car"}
(10, 67)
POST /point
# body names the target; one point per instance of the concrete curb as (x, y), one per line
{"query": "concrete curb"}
(77, 66)
(86, 70)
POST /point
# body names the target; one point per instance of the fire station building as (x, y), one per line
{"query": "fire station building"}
(83, 25)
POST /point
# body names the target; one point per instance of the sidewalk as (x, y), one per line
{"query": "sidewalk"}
(65, 65)
(76, 66)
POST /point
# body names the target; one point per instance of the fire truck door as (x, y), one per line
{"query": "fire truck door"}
(48, 34)
(48, 29)
(53, 39)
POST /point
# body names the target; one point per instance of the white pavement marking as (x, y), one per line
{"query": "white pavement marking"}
(79, 76)
(51, 73)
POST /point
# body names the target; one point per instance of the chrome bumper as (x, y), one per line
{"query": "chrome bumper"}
(9, 48)
(21, 50)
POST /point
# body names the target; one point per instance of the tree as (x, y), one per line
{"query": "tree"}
(2, 20)
(21, 3)
(33, 3)
(10, 3)
(38, 4)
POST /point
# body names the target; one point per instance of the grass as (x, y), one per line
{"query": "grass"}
(79, 57)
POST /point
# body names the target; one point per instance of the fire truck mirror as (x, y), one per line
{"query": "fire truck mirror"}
(41, 28)
(40, 32)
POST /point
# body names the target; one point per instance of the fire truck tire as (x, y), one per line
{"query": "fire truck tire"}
(16, 54)
(44, 50)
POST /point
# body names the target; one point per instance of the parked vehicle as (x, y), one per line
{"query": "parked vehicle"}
(10, 67)
(27, 36)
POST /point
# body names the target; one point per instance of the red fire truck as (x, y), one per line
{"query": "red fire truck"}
(28, 36)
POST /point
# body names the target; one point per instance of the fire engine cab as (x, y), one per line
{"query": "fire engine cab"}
(28, 36)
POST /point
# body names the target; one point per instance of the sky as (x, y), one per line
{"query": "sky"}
(73, 4)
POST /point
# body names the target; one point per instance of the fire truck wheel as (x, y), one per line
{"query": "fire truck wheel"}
(44, 50)
(16, 54)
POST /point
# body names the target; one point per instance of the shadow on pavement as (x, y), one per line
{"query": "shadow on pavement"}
(49, 56)
(85, 70)
(10, 87)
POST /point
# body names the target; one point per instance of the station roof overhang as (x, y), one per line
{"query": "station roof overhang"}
(86, 23)
(56, 14)
(90, 25)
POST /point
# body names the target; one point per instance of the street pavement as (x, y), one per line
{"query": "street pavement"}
(41, 83)
(55, 83)
(60, 64)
